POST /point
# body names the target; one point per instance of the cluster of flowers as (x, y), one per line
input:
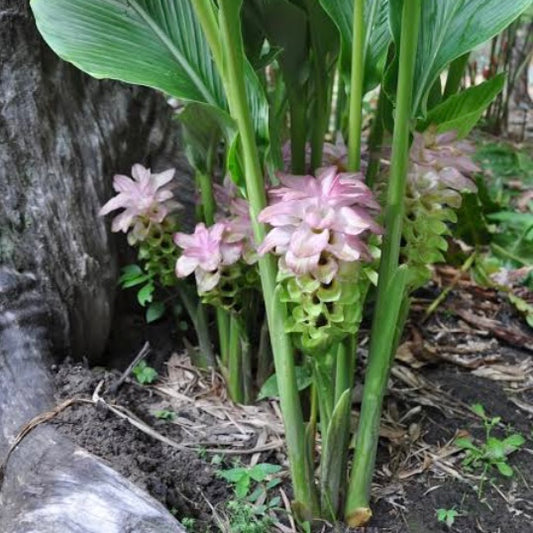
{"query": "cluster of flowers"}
(148, 218)
(441, 170)
(219, 255)
(319, 230)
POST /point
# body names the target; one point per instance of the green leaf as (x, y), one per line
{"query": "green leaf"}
(146, 294)
(269, 389)
(154, 311)
(144, 373)
(377, 36)
(233, 475)
(513, 442)
(449, 29)
(165, 414)
(242, 487)
(203, 124)
(464, 443)
(285, 26)
(144, 42)
(505, 469)
(462, 111)
(479, 410)
(261, 471)
(132, 275)
(333, 462)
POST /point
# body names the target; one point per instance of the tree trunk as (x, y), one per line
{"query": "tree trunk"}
(62, 137)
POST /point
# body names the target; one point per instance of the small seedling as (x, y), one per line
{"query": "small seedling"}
(164, 414)
(188, 523)
(247, 513)
(241, 478)
(145, 374)
(493, 452)
(447, 516)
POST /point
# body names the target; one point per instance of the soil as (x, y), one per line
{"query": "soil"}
(408, 490)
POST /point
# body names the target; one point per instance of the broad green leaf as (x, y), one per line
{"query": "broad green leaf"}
(154, 43)
(203, 124)
(449, 29)
(285, 27)
(377, 36)
(270, 386)
(155, 311)
(462, 111)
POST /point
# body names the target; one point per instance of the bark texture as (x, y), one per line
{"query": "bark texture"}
(62, 137)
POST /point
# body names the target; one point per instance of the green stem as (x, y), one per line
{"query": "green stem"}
(356, 87)
(345, 366)
(223, 335)
(297, 108)
(455, 75)
(375, 141)
(235, 382)
(232, 46)
(391, 281)
(198, 315)
(340, 103)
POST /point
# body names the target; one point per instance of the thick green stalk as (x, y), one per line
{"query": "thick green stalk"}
(375, 141)
(235, 382)
(391, 281)
(356, 86)
(345, 366)
(340, 103)
(455, 75)
(232, 46)
(298, 130)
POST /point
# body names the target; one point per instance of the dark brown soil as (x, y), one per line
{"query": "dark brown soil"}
(184, 481)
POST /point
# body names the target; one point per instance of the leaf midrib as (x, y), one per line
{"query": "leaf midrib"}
(206, 93)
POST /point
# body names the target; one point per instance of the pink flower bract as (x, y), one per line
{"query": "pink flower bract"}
(144, 195)
(319, 219)
(205, 252)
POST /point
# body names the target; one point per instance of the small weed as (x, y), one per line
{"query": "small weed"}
(145, 374)
(493, 452)
(447, 516)
(241, 478)
(165, 414)
(250, 512)
(189, 524)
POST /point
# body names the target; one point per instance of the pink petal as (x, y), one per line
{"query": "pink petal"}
(305, 242)
(183, 240)
(123, 183)
(206, 281)
(185, 265)
(140, 173)
(163, 177)
(276, 238)
(301, 265)
(123, 221)
(117, 202)
(354, 220)
(231, 253)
